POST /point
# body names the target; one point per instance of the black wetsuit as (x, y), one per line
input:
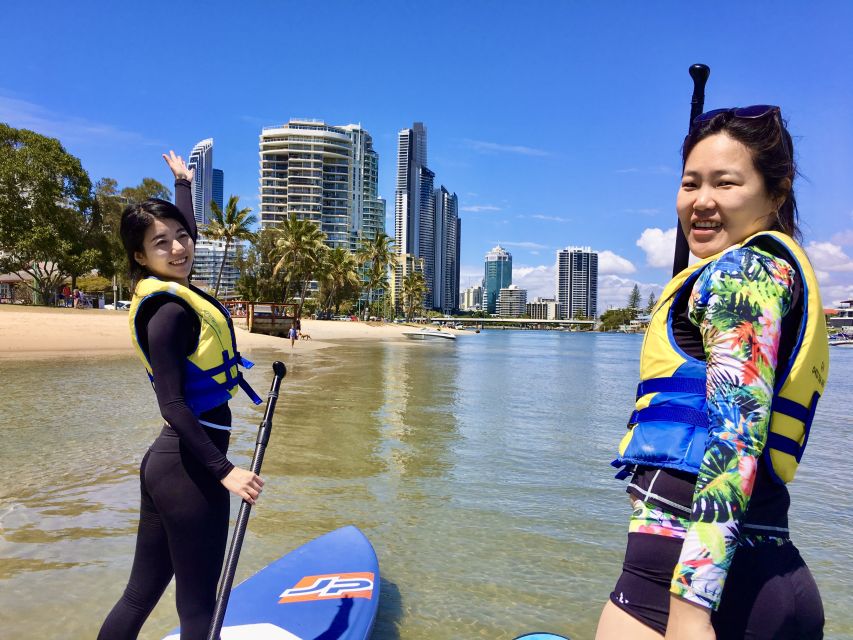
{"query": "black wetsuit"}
(183, 524)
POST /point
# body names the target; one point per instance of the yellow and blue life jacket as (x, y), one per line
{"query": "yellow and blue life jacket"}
(669, 425)
(212, 375)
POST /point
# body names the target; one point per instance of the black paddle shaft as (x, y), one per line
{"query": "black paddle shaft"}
(699, 73)
(245, 508)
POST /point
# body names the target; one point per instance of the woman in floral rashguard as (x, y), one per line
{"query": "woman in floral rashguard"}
(731, 369)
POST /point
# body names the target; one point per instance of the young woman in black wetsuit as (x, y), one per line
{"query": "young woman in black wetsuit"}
(185, 476)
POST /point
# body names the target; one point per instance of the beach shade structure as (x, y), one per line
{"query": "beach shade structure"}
(699, 73)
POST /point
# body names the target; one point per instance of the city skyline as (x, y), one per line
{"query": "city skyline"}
(546, 144)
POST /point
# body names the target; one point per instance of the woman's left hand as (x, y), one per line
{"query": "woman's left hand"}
(178, 167)
(688, 621)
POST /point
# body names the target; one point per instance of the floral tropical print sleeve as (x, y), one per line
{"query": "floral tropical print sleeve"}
(738, 304)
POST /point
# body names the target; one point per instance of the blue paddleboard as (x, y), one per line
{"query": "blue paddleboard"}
(541, 636)
(327, 589)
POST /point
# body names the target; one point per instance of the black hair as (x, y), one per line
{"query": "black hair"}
(135, 219)
(772, 151)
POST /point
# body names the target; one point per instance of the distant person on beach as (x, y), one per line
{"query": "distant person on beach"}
(77, 303)
(292, 334)
(177, 330)
(732, 366)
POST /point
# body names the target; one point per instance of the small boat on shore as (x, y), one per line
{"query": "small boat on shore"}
(842, 339)
(429, 334)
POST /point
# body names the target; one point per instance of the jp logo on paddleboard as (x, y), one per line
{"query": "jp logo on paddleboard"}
(330, 587)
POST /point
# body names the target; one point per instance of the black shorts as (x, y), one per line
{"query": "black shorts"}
(769, 592)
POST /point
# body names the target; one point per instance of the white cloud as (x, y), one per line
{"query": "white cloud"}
(495, 147)
(539, 281)
(609, 262)
(843, 237)
(523, 245)
(826, 256)
(659, 246)
(477, 208)
(551, 218)
(614, 291)
(68, 129)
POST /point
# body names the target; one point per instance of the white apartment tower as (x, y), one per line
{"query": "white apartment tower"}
(512, 302)
(323, 173)
(577, 282)
(201, 160)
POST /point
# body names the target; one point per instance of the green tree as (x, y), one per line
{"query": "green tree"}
(229, 225)
(148, 188)
(612, 319)
(634, 301)
(337, 275)
(413, 289)
(257, 282)
(50, 224)
(650, 305)
(299, 244)
(375, 254)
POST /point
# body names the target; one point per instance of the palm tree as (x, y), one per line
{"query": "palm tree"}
(413, 290)
(300, 245)
(337, 273)
(376, 253)
(230, 225)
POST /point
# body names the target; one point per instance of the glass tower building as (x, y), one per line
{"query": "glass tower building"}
(577, 282)
(201, 160)
(218, 190)
(498, 276)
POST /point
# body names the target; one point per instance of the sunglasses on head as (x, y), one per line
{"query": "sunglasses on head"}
(747, 113)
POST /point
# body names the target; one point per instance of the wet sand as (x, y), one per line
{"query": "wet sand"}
(39, 333)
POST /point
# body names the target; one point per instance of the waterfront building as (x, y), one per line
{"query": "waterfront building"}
(218, 189)
(512, 302)
(201, 161)
(206, 263)
(472, 299)
(498, 276)
(448, 231)
(323, 173)
(543, 309)
(577, 282)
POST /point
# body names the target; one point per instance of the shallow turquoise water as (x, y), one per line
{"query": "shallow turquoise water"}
(479, 470)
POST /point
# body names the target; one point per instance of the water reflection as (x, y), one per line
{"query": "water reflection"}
(479, 470)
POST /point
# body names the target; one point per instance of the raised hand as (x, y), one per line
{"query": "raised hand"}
(178, 166)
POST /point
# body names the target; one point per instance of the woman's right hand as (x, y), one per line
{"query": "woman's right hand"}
(244, 484)
(178, 167)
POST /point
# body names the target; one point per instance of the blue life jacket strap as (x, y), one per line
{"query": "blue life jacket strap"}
(245, 386)
(625, 469)
(683, 415)
(798, 412)
(672, 385)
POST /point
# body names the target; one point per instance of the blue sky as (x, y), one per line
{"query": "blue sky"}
(557, 123)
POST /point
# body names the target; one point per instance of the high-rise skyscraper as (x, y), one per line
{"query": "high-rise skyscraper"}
(414, 207)
(498, 276)
(218, 190)
(577, 282)
(427, 223)
(323, 173)
(448, 234)
(201, 160)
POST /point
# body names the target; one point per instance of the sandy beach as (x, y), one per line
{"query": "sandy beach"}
(35, 333)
